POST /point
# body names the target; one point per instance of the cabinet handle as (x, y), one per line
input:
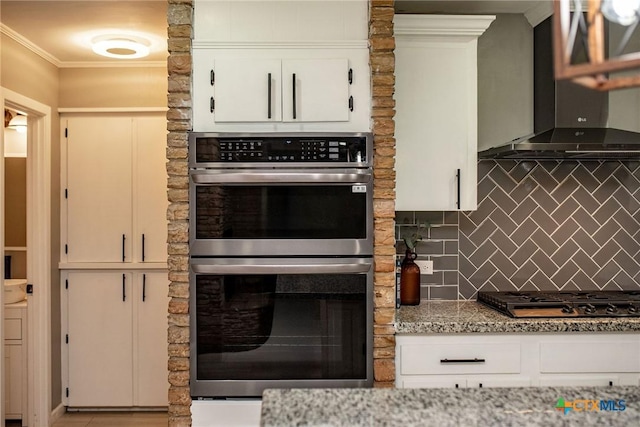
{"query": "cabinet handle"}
(212, 77)
(212, 105)
(458, 183)
(294, 96)
(480, 385)
(124, 286)
(144, 287)
(124, 238)
(474, 360)
(143, 247)
(351, 103)
(269, 96)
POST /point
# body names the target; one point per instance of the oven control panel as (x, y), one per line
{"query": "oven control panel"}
(280, 149)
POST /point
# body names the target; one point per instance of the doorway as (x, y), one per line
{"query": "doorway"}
(38, 255)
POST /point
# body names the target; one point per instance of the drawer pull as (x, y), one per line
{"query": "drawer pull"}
(474, 360)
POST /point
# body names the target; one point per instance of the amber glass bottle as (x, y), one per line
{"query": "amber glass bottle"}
(409, 280)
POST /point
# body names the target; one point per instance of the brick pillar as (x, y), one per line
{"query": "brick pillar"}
(382, 59)
(179, 19)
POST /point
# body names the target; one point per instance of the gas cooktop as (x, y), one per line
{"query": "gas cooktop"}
(564, 304)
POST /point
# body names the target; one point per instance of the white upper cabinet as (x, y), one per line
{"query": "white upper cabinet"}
(436, 111)
(114, 189)
(291, 66)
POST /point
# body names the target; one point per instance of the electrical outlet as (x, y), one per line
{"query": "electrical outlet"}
(426, 267)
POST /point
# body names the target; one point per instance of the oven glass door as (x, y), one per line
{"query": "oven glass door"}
(275, 322)
(248, 213)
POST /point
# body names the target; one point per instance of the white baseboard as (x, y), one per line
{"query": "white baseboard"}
(57, 413)
(226, 413)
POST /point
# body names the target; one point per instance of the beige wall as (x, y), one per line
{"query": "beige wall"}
(15, 210)
(26, 73)
(113, 87)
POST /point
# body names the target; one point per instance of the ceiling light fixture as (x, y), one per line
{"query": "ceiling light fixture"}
(18, 123)
(121, 47)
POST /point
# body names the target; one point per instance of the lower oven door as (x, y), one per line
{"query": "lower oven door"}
(249, 212)
(263, 323)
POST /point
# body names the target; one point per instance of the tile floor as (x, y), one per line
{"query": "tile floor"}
(109, 419)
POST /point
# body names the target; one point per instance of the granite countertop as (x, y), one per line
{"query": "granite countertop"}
(431, 317)
(449, 407)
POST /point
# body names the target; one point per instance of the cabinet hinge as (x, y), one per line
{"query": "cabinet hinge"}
(66, 193)
(212, 105)
(213, 77)
(29, 289)
(66, 340)
(66, 249)
(66, 283)
(351, 103)
(67, 392)
(66, 132)
(350, 75)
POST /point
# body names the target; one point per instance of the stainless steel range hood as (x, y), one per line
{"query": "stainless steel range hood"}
(570, 121)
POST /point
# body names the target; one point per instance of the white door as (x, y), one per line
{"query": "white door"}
(100, 343)
(247, 90)
(315, 90)
(151, 337)
(99, 196)
(150, 194)
(433, 134)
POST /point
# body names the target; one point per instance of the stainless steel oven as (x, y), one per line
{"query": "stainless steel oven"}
(281, 262)
(300, 194)
(280, 322)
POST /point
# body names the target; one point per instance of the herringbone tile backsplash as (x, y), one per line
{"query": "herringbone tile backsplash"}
(550, 225)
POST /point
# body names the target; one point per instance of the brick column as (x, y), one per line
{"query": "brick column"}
(381, 46)
(179, 19)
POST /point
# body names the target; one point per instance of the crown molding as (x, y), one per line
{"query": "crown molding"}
(29, 45)
(460, 26)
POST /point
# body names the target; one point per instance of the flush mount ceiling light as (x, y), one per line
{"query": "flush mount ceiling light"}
(581, 40)
(18, 123)
(121, 47)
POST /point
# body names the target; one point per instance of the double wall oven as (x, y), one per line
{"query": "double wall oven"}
(281, 267)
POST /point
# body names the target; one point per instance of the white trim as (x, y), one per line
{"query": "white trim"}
(306, 44)
(113, 110)
(29, 45)
(38, 255)
(15, 248)
(112, 266)
(57, 413)
(121, 63)
(468, 27)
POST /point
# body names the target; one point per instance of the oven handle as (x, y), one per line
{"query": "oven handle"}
(223, 177)
(280, 268)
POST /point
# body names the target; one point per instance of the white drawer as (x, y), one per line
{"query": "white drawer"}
(12, 329)
(587, 356)
(435, 359)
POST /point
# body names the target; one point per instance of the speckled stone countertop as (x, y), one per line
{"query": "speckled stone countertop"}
(439, 317)
(449, 407)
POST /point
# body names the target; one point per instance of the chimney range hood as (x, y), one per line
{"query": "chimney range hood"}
(570, 121)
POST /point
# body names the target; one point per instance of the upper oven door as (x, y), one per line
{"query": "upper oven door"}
(281, 213)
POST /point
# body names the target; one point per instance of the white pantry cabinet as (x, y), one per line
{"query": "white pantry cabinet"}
(114, 338)
(114, 188)
(15, 361)
(436, 111)
(290, 89)
(517, 360)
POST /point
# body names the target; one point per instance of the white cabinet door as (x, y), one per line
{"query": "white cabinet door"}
(436, 111)
(99, 194)
(150, 189)
(151, 338)
(315, 90)
(100, 348)
(247, 90)
(13, 376)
